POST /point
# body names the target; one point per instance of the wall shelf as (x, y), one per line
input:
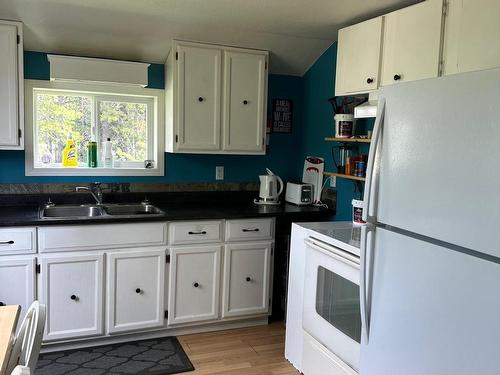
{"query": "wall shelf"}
(341, 175)
(353, 140)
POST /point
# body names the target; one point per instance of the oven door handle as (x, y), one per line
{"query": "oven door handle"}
(365, 278)
(333, 252)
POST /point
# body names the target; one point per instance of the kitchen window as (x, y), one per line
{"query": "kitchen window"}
(129, 117)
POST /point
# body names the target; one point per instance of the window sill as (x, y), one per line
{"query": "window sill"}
(83, 171)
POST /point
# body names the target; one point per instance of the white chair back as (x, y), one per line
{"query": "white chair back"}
(21, 370)
(29, 339)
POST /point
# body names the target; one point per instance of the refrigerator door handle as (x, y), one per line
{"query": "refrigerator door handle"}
(365, 278)
(369, 211)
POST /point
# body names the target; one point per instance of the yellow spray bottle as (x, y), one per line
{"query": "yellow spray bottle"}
(69, 155)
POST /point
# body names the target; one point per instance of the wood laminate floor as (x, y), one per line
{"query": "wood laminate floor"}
(255, 350)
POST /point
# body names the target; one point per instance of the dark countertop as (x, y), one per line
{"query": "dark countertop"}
(28, 215)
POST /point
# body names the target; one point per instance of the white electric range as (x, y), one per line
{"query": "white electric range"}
(323, 327)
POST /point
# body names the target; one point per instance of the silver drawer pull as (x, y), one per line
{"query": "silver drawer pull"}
(250, 230)
(7, 242)
(198, 233)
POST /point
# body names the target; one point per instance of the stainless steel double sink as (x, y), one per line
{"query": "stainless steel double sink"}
(88, 211)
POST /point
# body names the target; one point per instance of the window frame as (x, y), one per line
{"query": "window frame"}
(154, 98)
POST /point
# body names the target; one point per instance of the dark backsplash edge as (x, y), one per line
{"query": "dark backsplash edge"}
(175, 194)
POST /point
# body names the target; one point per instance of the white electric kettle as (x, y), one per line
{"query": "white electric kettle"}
(269, 192)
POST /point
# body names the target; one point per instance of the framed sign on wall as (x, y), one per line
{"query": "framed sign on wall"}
(282, 115)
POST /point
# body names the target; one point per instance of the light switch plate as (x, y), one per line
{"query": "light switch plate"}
(219, 173)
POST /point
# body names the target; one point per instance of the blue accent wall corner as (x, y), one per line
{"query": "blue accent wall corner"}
(312, 122)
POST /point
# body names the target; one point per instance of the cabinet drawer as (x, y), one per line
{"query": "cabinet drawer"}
(17, 241)
(249, 229)
(103, 236)
(193, 232)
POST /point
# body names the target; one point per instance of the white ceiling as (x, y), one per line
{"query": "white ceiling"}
(296, 32)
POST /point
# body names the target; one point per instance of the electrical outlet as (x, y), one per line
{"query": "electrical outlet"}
(333, 181)
(219, 173)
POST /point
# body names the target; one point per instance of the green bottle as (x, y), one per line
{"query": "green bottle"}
(92, 154)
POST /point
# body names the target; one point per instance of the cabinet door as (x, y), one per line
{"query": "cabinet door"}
(246, 279)
(135, 290)
(9, 86)
(72, 290)
(471, 35)
(358, 57)
(17, 282)
(199, 92)
(244, 98)
(194, 284)
(412, 43)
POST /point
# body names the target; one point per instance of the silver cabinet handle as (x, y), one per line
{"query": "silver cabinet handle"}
(250, 230)
(7, 242)
(377, 129)
(197, 233)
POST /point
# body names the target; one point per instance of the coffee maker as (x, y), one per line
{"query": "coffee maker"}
(345, 152)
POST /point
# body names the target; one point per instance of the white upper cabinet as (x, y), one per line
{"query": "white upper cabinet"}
(471, 38)
(245, 93)
(198, 97)
(358, 57)
(412, 43)
(11, 86)
(216, 99)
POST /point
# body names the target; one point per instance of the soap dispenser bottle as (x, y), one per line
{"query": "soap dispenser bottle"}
(69, 154)
(108, 154)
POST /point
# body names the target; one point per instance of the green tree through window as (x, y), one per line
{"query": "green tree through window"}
(60, 114)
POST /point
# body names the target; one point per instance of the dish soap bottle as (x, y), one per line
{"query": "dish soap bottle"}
(108, 154)
(92, 154)
(69, 155)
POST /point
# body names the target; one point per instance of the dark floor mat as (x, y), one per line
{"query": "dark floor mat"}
(161, 356)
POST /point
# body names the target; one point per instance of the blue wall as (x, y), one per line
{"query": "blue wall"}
(183, 167)
(318, 87)
(313, 121)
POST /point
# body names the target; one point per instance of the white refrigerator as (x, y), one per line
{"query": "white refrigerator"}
(430, 254)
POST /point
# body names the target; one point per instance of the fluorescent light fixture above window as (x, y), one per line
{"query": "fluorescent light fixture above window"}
(101, 71)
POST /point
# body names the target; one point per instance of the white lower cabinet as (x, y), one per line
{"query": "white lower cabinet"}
(72, 290)
(94, 288)
(17, 282)
(194, 284)
(135, 292)
(246, 278)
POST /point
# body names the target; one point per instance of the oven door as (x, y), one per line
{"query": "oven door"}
(331, 300)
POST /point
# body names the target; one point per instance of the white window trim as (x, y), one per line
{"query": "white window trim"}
(96, 89)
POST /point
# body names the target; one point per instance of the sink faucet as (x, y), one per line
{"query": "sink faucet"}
(95, 189)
